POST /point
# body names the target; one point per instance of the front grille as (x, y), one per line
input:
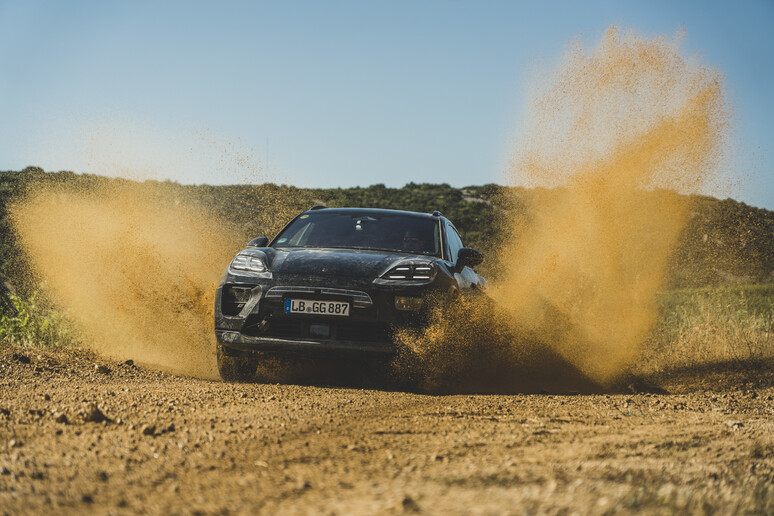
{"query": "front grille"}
(358, 298)
(286, 328)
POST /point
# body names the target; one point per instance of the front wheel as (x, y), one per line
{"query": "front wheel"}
(235, 367)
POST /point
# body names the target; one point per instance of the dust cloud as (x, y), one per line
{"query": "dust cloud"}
(134, 266)
(616, 129)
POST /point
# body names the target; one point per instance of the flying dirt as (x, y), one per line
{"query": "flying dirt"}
(615, 130)
(136, 270)
(135, 265)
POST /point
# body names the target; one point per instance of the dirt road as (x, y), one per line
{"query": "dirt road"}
(179, 445)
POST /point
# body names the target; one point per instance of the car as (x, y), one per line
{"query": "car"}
(338, 280)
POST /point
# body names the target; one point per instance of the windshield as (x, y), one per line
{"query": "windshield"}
(399, 233)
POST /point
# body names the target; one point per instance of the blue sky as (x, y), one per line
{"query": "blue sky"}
(332, 93)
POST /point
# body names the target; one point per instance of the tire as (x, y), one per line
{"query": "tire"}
(235, 367)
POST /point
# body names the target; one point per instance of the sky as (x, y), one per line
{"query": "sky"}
(327, 94)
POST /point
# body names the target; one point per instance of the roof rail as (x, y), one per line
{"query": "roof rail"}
(317, 207)
(436, 213)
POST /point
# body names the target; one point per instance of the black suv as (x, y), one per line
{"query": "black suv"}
(337, 280)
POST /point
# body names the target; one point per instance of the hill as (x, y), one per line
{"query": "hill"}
(725, 241)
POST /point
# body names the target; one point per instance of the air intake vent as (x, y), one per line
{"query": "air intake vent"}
(234, 299)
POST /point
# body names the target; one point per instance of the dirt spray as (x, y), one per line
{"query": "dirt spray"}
(611, 134)
(136, 268)
(617, 129)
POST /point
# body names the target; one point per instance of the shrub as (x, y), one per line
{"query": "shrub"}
(35, 325)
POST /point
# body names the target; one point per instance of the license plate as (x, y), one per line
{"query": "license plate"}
(308, 306)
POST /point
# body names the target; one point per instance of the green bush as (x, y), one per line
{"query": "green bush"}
(35, 325)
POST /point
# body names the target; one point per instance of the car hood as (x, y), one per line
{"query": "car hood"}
(335, 262)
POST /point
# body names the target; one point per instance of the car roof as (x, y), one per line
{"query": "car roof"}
(373, 211)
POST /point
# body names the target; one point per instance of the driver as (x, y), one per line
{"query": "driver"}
(413, 242)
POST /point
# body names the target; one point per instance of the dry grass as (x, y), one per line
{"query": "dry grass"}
(713, 325)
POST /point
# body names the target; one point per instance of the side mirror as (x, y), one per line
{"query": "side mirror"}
(467, 257)
(258, 242)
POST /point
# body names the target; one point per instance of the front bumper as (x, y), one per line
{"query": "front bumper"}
(239, 341)
(260, 323)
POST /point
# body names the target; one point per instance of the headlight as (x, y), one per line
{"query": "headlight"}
(411, 271)
(248, 262)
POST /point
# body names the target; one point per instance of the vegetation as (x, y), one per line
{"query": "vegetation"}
(730, 324)
(720, 306)
(34, 324)
(725, 241)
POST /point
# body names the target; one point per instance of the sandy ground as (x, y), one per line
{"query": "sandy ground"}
(173, 445)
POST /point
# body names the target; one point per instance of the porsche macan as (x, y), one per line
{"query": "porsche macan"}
(337, 280)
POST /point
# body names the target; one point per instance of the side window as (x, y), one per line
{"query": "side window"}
(455, 243)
